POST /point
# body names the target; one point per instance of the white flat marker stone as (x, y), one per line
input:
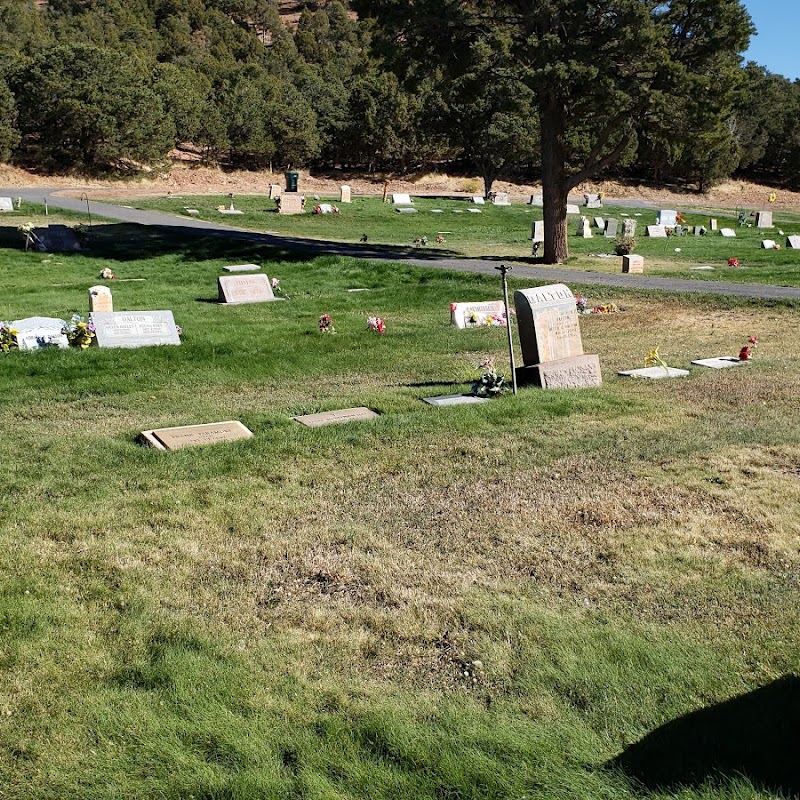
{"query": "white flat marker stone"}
(701, 269)
(358, 290)
(454, 400)
(437, 211)
(241, 268)
(230, 211)
(474, 210)
(720, 362)
(654, 373)
(336, 417)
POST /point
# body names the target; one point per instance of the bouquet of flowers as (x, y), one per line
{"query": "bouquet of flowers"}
(580, 303)
(78, 332)
(733, 262)
(606, 308)
(8, 337)
(106, 274)
(276, 286)
(376, 324)
(490, 384)
(326, 324)
(653, 359)
(746, 353)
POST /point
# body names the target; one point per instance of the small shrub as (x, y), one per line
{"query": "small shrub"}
(470, 186)
(624, 245)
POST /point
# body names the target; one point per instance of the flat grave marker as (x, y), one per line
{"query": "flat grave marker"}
(338, 417)
(454, 400)
(728, 233)
(768, 244)
(654, 373)
(241, 268)
(460, 313)
(720, 362)
(134, 328)
(194, 435)
(238, 289)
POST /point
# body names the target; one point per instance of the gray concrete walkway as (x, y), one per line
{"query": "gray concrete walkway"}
(191, 225)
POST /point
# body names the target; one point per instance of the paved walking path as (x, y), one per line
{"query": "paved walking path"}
(191, 225)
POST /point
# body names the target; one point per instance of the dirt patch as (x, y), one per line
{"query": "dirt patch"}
(192, 178)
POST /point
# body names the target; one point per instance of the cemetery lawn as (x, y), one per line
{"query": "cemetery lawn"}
(505, 232)
(490, 601)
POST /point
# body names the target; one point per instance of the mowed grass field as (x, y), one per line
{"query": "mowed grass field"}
(505, 232)
(564, 594)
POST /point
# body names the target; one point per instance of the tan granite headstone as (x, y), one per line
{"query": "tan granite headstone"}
(344, 194)
(100, 299)
(336, 417)
(632, 263)
(236, 289)
(192, 435)
(550, 339)
(291, 203)
(274, 191)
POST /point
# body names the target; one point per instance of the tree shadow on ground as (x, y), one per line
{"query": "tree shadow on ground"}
(756, 735)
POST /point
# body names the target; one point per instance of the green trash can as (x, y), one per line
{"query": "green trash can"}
(292, 179)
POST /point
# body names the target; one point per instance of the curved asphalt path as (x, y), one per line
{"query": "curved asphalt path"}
(191, 225)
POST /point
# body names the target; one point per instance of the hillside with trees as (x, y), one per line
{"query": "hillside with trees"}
(112, 86)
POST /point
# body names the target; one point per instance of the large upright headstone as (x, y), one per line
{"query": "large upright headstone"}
(58, 238)
(38, 333)
(537, 230)
(764, 219)
(629, 230)
(584, 228)
(134, 328)
(100, 299)
(668, 218)
(611, 228)
(238, 289)
(550, 338)
(593, 201)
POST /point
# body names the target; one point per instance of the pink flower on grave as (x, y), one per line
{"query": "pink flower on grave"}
(326, 324)
(746, 353)
(453, 306)
(733, 262)
(376, 324)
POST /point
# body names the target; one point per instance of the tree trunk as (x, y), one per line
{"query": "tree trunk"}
(555, 186)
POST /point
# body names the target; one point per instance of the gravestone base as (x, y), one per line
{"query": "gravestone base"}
(575, 372)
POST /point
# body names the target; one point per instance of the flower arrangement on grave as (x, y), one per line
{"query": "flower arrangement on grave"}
(276, 286)
(106, 274)
(680, 219)
(376, 324)
(733, 262)
(653, 359)
(624, 245)
(580, 304)
(490, 384)
(326, 324)
(78, 332)
(605, 308)
(8, 337)
(746, 353)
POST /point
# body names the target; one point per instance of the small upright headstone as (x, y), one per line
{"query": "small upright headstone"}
(537, 230)
(679, 230)
(501, 199)
(600, 223)
(6, 204)
(712, 224)
(344, 194)
(536, 200)
(611, 228)
(478, 200)
(793, 242)
(237, 289)
(39, 333)
(699, 230)
(401, 199)
(656, 231)
(274, 191)
(728, 233)
(572, 208)
(764, 219)
(629, 229)
(584, 228)
(668, 218)
(632, 263)
(291, 203)
(100, 299)
(768, 244)
(550, 339)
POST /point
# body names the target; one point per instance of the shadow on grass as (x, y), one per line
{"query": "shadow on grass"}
(756, 735)
(125, 241)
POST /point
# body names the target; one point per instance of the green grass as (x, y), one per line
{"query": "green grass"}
(506, 232)
(472, 602)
